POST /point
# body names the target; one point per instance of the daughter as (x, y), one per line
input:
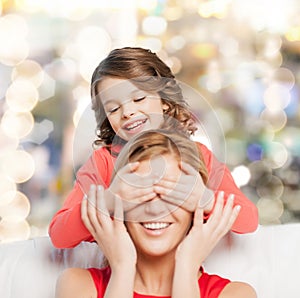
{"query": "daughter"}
(132, 91)
(161, 257)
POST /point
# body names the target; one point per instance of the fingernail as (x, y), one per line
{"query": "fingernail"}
(231, 197)
(238, 207)
(85, 197)
(93, 187)
(99, 187)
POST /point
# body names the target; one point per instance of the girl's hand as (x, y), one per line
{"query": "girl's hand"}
(110, 233)
(203, 237)
(188, 191)
(134, 189)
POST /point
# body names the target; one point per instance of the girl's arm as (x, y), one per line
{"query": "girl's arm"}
(66, 228)
(220, 179)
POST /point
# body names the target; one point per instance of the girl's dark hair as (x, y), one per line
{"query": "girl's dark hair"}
(149, 73)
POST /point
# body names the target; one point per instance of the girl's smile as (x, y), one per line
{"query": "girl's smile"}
(134, 126)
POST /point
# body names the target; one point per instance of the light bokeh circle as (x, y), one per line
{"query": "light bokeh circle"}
(17, 209)
(19, 166)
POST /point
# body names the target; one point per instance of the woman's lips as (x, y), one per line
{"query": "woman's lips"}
(155, 228)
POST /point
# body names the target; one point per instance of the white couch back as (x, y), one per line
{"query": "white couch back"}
(267, 259)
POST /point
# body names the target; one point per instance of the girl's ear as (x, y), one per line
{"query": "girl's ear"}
(165, 107)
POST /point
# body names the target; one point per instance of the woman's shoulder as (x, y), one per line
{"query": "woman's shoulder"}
(211, 285)
(101, 278)
(100, 273)
(213, 279)
(75, 282)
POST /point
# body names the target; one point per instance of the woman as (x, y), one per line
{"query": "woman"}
(155, 249)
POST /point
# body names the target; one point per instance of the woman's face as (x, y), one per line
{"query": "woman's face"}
(168, 226)
(129, 109)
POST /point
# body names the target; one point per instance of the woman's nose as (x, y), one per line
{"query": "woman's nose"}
(150, 210)
(156, 208)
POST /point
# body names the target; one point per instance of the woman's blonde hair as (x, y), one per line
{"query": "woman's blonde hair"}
(153, 143)
(149, 73)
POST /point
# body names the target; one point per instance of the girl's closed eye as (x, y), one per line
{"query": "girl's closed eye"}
(113, 109)
(139, 98)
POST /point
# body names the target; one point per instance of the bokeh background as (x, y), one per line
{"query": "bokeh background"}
(242, 56)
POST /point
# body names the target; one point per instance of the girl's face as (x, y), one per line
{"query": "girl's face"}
(158, 237)
(129, 109)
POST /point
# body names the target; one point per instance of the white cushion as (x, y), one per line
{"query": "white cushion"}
(267, 259)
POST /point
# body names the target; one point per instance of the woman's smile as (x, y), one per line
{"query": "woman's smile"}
(155, 228)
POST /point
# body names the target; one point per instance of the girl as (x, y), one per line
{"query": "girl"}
(133, 91)
(154, 258)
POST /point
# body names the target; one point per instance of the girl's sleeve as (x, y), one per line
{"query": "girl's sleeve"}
(66, 228)
(220, 179)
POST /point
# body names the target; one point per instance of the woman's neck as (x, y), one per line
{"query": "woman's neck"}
(154, 275)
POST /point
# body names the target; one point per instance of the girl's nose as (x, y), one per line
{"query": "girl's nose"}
(128, 110)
